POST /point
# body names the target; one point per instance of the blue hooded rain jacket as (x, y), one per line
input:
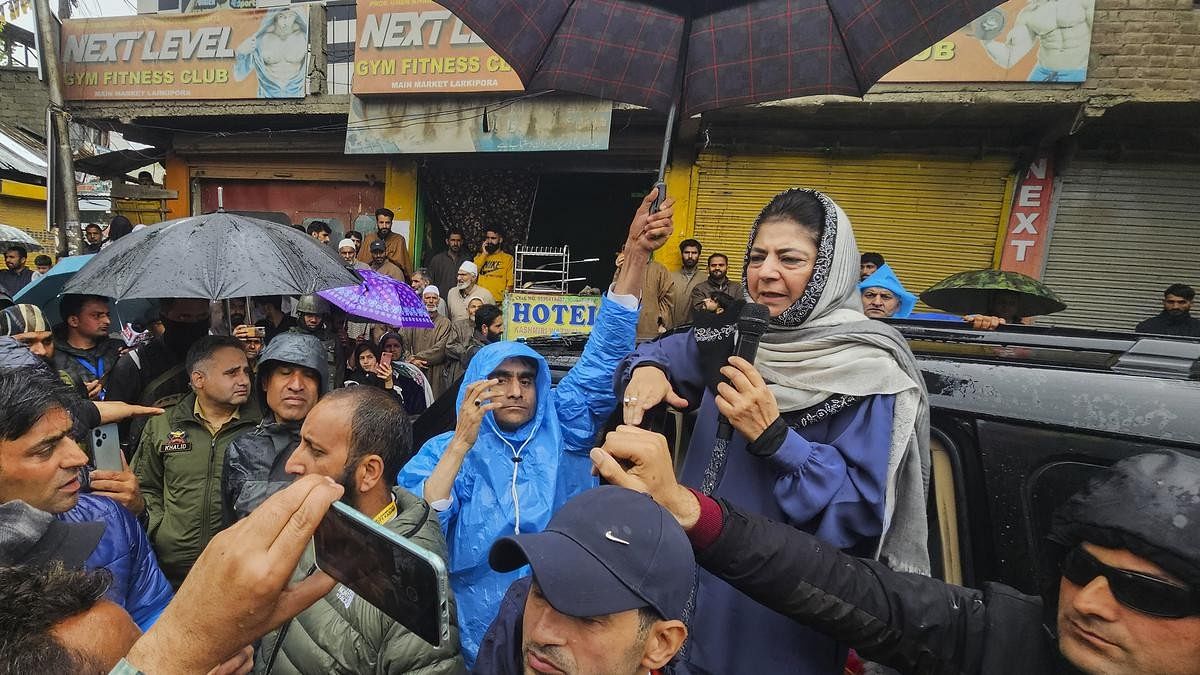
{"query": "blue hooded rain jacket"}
(495, 495)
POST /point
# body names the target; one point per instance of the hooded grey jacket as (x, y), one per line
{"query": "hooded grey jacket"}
(254, 462)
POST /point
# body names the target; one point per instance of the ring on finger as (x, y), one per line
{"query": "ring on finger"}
(478, 403)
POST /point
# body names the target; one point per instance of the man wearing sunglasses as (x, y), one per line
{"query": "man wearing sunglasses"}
(1125, 599)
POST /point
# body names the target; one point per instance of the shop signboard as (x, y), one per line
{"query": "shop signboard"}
(406, 47)
(224, 54)
(397, 124)
(1027, 238)
(1019, 41)
(529, 315)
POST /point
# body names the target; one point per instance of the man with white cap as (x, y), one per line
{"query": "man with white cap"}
(460, 296)
(427, 346)
(349, 252)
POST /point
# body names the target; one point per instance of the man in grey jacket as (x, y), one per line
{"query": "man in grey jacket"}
(292, 375)
(361, 437)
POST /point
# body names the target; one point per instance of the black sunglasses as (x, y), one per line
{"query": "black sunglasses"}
(1140, 592)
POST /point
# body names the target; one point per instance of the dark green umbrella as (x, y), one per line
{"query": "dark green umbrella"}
(973, 292)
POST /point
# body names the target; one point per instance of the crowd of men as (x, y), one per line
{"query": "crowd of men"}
(240, 433)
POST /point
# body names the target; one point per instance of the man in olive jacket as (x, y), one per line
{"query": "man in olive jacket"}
(179, 458)
(361, 437)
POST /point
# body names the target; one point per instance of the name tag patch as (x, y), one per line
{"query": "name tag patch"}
(177, 441)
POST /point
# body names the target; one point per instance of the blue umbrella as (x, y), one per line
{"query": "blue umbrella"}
(381, 298)
(46, 292)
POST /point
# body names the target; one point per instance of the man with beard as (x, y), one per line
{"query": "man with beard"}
(443, 266)
(319, 230)
(419, 281)
(27, 325)
(292, 375)
(489, 328)
(378, 261)
(496, 268)
(82, 347)
(154, 373)
(179, 459)
(717, 281)
(685, 280)
(275, 321)
(466, 289)
(427, 346)
(349, 252)
(361, 437)
(1176, 317)
(93, 238)
(15, 275)
(395, 247)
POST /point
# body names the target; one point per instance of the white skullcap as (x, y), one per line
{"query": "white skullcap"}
(469, 267)
(346, 242)
(431, 290)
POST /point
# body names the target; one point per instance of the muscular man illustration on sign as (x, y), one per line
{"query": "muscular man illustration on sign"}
(278, 54)
(1062, 30)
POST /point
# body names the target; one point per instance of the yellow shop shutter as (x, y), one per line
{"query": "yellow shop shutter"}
(929, 216)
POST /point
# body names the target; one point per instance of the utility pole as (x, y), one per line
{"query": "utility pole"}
(69, 238)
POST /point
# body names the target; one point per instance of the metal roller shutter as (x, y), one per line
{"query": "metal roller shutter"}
(929, 217)
(1122, 233)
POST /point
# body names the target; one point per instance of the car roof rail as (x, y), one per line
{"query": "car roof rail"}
(1172, 359)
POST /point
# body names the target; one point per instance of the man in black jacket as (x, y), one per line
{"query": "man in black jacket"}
(82, 347)
(292, 375)
(1127, 601)
(1176, 317)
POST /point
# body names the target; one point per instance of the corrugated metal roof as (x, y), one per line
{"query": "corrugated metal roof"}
(21, 151)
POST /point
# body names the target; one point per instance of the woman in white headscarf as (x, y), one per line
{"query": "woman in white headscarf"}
(831, 425)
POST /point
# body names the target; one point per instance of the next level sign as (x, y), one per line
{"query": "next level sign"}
(529, 315)
(417, 46)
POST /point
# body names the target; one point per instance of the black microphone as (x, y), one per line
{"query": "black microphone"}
(751, 323)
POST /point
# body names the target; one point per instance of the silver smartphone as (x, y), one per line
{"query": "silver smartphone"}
(401, 579)
(106, 448)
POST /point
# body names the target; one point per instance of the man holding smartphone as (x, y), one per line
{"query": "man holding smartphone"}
(360, 437)
(40, 465)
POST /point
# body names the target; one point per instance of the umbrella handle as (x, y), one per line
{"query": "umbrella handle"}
(656, 205)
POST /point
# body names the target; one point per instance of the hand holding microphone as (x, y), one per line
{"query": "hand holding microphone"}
(744, 401)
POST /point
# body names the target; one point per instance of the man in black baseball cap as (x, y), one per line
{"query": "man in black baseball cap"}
(32, 537)
(612, 574)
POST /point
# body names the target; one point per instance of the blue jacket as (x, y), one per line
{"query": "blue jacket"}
(138, 584)
(829, 479)
(553, 467)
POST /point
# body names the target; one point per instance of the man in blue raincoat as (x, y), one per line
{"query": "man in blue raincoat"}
(884, 297)
(520, 447)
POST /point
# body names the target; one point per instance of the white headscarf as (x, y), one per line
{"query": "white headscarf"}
(823, 354)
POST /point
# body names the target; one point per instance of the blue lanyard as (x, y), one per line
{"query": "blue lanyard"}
(98, 371)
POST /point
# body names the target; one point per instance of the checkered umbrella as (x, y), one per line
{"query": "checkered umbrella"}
(737, 52)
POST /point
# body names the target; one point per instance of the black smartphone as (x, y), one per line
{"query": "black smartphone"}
(401, 579)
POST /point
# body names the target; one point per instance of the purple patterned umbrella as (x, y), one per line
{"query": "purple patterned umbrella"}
(383, 299)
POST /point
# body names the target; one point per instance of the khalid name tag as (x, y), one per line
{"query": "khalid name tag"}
(177, 441)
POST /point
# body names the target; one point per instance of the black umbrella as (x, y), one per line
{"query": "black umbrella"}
(216, 256)
(737, 51)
